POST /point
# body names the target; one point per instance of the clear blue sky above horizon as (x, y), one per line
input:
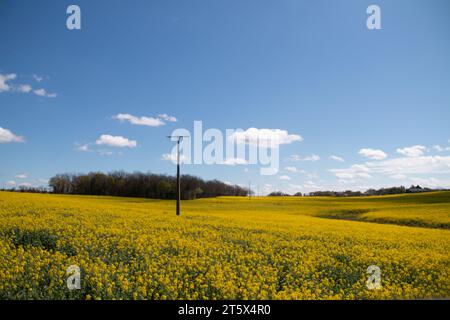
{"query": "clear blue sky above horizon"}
(373, 105)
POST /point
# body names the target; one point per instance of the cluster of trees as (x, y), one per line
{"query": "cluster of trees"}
(28, 189)
(350, 193)
(347, 193)
(371, 192)
(142, 185)
(282, 194)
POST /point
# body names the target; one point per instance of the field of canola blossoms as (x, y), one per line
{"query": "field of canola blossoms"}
(224, 248)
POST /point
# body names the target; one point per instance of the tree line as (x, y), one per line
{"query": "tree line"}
(372, 192)
(350, 193)
(142, 185)
(283, 194)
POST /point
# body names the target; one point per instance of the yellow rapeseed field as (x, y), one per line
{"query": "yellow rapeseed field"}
(224, 248)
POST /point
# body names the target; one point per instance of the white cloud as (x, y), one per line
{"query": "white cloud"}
(414, 151)
(336, 158)
(396, 168)
(412, 165)
(172, 157)
(84, 148)
(356, 171)
(285, 178)
(43, 93)
(294, 170)
(313, 157)
(310, 185)
(4, 78)
(21, 176)
(26, 185)
(116, 141)
(11, 183)
(25, 88)
(373, 154)
(169, 157)
(37, 78)
(140, 121)
(6, 136)
(441, 149)
(40, 92)
(235, 161)
(166, 117)
(105, 153)
(398, 176)
(268, 138)
(106, 140)
(296, 158)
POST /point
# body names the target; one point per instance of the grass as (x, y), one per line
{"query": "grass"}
(225, 248)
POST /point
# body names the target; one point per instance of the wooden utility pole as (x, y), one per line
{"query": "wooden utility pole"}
(179, 139)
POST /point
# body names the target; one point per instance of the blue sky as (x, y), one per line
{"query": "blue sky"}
(377, 99)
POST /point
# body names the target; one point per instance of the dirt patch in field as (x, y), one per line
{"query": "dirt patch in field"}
(344, 214)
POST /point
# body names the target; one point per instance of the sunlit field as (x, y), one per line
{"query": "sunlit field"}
(225, 248)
